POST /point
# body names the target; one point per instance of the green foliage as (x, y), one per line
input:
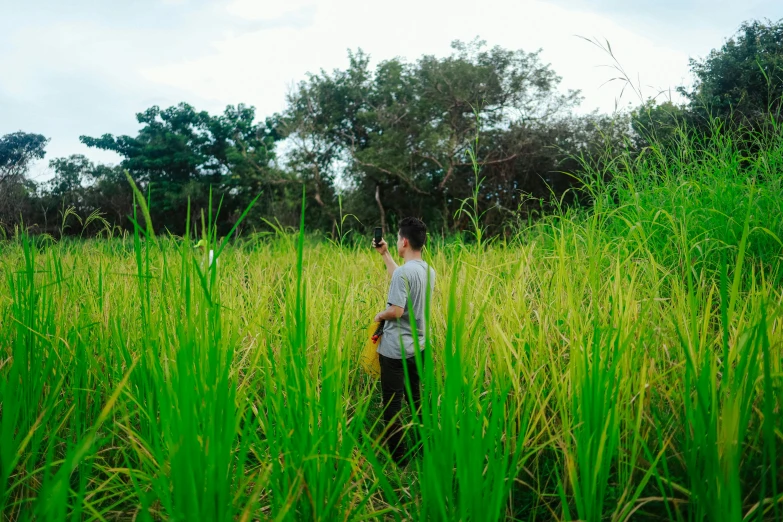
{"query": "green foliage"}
(96, 196)
(182, 155)
(398, 139)
(695, 193)
(608, 363)
(17, 151)
(742, 80)
(659, 125)
(403, 130)
(68, 175)
(618, 362)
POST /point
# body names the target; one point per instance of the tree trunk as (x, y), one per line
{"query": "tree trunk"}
(380, 207)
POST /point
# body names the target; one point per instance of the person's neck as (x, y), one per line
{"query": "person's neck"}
(412, 255)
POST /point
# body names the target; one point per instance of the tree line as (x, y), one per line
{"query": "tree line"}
(380, 143)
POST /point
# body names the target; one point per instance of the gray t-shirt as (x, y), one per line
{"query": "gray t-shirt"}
(410, 277)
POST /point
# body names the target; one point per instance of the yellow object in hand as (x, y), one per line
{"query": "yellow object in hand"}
(369, 356)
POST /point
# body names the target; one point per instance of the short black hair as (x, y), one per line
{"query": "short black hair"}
(415, 231)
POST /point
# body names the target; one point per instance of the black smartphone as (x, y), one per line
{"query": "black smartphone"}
(378, 235)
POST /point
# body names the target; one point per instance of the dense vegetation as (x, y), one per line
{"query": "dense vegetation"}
(392, 140)
(620, 357)
(623, 364)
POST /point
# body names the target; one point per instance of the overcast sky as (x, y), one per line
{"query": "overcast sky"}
(74, 67)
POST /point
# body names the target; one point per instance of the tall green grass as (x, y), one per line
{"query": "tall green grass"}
(616, 363)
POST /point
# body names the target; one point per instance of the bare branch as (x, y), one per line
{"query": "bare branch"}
(380, 207)
(391, 173)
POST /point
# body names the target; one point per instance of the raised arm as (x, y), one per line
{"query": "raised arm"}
(383, 250)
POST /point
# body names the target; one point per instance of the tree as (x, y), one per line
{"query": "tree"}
(181, 154)
(17, 151)
(68, 176)
(86, 188)
(660, 124)
(401, 133)
(743, 80)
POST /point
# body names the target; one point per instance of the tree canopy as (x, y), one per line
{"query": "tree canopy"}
(17, 151)
(744, 78)
(390, 140)
(181, 154)
(400, 133)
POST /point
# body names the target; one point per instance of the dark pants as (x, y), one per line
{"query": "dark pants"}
(394, 392)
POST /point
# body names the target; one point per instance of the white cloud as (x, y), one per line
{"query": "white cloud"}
(261, 10)
(258, 66)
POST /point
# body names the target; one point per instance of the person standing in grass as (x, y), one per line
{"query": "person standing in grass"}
(410, 285)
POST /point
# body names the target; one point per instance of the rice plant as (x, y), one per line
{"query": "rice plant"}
(621, 362)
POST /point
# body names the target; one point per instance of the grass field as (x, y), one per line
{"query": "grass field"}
(616, 363)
